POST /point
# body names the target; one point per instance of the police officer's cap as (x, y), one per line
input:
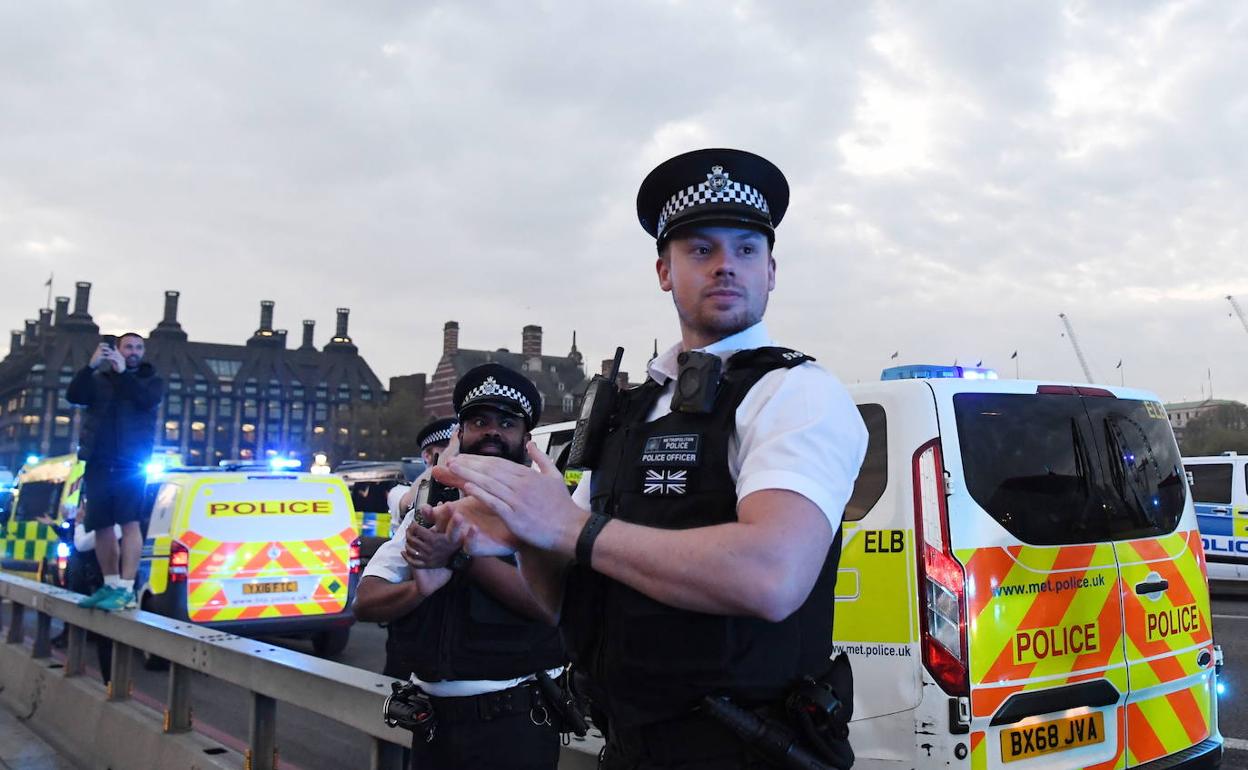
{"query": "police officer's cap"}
(438, 431)
(713, 187)
(497, 386)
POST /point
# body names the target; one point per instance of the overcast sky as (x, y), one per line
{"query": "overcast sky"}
(962, 172)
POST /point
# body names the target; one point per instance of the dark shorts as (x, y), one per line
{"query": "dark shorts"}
(113, 495)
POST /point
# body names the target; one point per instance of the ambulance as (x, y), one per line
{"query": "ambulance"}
(253, 553)
(34, 541)
(1220, 492)
(1022, 582)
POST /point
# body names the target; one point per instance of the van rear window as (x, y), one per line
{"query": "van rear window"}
(1211, 482)
(1060, 469)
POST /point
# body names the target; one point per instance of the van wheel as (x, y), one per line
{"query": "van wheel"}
(152, 662)
(328, 644)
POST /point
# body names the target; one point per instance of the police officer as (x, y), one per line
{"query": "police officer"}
(433, 440)
(469, 632)
(699, 558)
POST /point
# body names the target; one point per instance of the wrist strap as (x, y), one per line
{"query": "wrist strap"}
(589, 533)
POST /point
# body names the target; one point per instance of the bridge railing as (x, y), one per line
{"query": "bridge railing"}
(269, 674)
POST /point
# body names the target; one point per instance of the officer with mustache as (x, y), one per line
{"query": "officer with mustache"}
(471, 635)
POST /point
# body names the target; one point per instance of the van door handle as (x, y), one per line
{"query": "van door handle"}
(1153, 587)
(1220, 509)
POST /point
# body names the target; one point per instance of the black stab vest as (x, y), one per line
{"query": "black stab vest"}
(462, 632)
(649, 661)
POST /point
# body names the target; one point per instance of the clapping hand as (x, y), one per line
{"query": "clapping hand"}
(427, 548)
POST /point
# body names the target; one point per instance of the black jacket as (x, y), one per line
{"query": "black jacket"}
(120, 422)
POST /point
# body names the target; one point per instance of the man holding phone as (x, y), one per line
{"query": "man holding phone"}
(121, 394)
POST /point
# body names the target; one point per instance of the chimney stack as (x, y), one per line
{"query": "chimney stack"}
(340, 333)
(45, 321)
(309, 328)
(62, 309)
(15, 341)
(450, 338)
(82, 296)
(171, 308)
(531, 341)
(32, 331)
(281, 337)
(266, 315)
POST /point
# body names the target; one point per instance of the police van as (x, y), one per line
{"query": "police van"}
(1022, 582)
(1220, 491)
(253, 553)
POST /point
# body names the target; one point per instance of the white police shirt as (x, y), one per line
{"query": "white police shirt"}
(388, 564)
(797, 429)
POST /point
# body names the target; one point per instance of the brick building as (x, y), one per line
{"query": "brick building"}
(252, 400)
(560, 379)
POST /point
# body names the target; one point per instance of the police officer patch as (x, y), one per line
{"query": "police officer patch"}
(671, 451)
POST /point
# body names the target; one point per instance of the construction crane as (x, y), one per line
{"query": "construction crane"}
(1239, 311)
(1070, 332)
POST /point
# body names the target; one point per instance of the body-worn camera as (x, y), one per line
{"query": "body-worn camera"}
(407, 707)
(697, 383)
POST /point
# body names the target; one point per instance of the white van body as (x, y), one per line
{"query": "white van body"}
(1220, 492)
(1022, 583)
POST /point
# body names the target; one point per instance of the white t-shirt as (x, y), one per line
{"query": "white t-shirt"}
(796, 429)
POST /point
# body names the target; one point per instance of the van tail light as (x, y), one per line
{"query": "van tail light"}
(942, 583)
(179, 560)
(353, 560)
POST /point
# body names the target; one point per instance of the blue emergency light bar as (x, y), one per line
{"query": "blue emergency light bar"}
(285, 463)
(935, 372)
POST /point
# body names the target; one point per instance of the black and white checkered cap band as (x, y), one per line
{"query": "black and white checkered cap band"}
(438, 435)
(702, 193)
(491, 388)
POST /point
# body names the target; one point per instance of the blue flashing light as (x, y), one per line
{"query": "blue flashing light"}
(285, 463)
(935, 372)
(155, 469)
(65, 525)
(1221, 688)
(32, 459)
(62, 550)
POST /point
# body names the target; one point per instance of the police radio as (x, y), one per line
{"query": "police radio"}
(595, 419)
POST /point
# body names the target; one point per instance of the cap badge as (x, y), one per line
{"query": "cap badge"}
(717, 180)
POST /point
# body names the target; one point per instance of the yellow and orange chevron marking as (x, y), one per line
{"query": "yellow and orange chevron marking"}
(1041, 617)
(1165, 632)
(213, 562)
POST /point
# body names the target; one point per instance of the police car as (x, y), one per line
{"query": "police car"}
(1022, 582)
(1220, 491)
(253, 552)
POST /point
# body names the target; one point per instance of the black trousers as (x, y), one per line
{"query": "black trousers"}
(463, 740)
(693, 743)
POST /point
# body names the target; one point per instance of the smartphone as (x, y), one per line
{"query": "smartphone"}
(109, 339)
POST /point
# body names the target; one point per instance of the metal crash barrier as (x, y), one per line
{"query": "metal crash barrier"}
(269, 674)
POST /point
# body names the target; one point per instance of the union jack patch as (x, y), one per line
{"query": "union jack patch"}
(664, 482)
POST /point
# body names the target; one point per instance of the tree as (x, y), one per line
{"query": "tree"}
(388, 431)
(1223, 428)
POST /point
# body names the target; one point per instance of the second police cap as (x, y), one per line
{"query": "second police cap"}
(713, 186)
(437, 431)
(502, 388)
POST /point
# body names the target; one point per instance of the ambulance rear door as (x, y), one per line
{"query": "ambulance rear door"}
(1047, 674)
(264, 546)
(1165, 598)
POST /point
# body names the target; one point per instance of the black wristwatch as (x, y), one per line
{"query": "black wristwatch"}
(459, 561)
